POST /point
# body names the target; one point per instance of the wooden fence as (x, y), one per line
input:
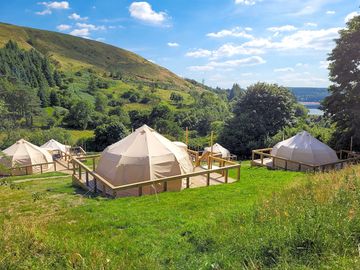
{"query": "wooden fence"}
(262, 157)
(28, 169)
(89, 179)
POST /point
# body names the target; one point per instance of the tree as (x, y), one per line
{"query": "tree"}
(108, 134)
(92, 86)
(235, 92)
(54, 99)
(177, 98)
(343, 104)
(57, 78)
(260, 113)
(100, 102)
(80, 114)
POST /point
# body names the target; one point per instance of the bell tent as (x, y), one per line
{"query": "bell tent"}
(143, 155)
(305, 149)
(218, 150)
(53, 145)
(181, 145)
(23, 153)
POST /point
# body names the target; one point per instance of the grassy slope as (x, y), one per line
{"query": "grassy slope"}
(269, 219)
(75, 53)
(170, 230)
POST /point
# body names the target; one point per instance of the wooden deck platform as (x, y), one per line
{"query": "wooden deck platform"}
(196, 181)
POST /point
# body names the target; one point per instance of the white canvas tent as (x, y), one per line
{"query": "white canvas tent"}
(218, 150)
(181, 145)
(53, 145)
(305, 149)
(23, 153)
(141, 156)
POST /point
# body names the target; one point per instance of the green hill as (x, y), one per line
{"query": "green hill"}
(77, 53)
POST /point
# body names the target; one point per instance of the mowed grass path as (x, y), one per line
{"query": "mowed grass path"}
(49, 224)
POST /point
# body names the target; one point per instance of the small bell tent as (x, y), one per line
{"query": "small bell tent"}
(218, 150)
(305, 149)
(23, 153)
(53, 145)
(144, 155)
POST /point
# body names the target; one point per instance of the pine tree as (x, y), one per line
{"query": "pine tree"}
(57, 78)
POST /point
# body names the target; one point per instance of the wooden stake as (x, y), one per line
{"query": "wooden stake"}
(351, 143)
(187, 136)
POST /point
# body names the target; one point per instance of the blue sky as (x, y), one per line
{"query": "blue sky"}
(218, 41)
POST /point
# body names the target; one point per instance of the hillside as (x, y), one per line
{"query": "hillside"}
(77, 53)
(309, 94)
(49, 79)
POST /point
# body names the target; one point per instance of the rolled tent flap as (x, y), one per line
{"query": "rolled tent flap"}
(218, 150)
(24, 153)
(141, 156)
(304, 148)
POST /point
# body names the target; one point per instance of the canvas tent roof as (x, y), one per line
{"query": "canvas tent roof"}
(52, 145)
(306, 149)
(181, 145)
(218, 149)
(24, 153)
(142, 155)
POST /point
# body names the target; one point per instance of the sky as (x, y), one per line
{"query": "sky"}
(219, 42)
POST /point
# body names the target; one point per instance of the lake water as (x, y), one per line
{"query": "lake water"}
(313, 108)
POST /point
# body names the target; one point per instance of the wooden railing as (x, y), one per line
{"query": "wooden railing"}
(83, 175)
(77, 151)
(28, 169)
(351, 158)
(194, 155)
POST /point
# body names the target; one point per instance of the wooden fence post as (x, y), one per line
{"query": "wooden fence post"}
(208, 179)
(87, 178)
(140, 191)
(93, 159)
(238, 173)
(55, 166)
(226, 176)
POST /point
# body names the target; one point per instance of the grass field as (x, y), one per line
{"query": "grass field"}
(270, 219)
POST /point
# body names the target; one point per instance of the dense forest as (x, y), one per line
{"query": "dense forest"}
(42, 97)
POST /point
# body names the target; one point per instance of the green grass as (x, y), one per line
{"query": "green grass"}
(270, 219)
(32, 176)
(80, 134)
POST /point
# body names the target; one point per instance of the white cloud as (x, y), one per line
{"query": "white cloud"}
(286, 69)
(324, 64)
(77, 17)
(173, 44)
(84, 32)
(49, 6)
(200, 68)
(144, 12)
(234, 32)
(199, 53)
(90, 26)
(229, 64)
(284, 28)
(246, 2)
(303, 79)
(351, 15)
(226, 50)
(100, 39)
(330, 12)
(63, 27)
(310, 24)
(322, 39)
(301, 65)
